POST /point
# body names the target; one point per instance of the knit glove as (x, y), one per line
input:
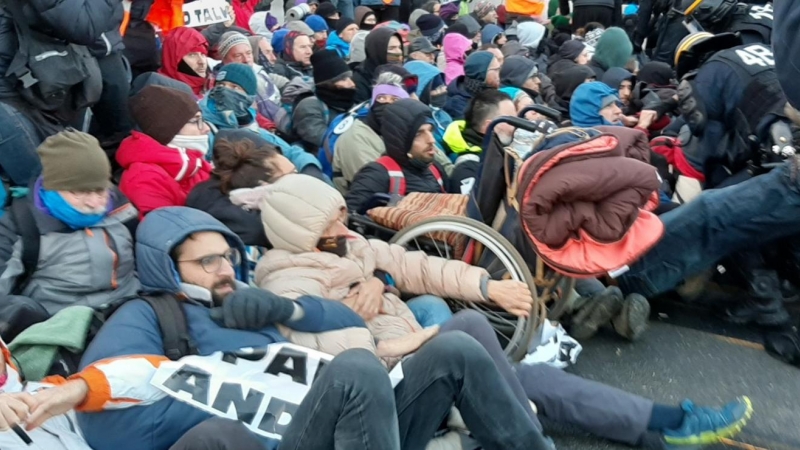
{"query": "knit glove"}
(253, 309)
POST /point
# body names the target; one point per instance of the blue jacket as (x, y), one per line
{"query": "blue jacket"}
(336, 44)
(133, 330)
(586, 102)
(226, 120)
(457, 99)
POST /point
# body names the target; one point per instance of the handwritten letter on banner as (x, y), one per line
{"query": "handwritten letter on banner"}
(261, 388)
(205, 12)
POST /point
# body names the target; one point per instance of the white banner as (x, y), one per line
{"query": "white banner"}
(201, 13)
(262, 388)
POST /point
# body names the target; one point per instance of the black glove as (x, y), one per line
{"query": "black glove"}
(253, 309)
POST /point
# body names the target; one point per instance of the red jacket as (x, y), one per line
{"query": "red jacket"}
(156, 175)
(244, 11)
(179, 43)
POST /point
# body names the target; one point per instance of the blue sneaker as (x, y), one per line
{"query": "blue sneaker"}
(703, 426)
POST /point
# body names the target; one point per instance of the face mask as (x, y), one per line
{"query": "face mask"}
(199, 143)
(63, 211)
(336, 245)
(235, 101)
(377, 110)
(438, 101)
(394, 58)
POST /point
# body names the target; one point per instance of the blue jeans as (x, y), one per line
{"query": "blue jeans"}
(716, 224)
(18, 141)
(430, 310)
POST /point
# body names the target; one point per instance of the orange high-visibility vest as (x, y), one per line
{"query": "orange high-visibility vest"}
(166, 14)
(526, 7)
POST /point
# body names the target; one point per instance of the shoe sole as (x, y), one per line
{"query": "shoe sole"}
(713, 437)
(603, 309)
(632, 322)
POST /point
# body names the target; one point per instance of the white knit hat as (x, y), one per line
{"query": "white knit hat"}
(296, 210)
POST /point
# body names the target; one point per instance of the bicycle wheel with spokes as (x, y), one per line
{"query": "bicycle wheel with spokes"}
(471, 241)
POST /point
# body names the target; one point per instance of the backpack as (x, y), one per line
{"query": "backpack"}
(336, 128)
(53, 75)
(397, 180)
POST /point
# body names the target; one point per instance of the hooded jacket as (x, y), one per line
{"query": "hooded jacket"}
(91, 267)
(341, 47)
(586, 103)
(179, 43)
(375, 46)
(156, 175)
(131, 341)
(407, 116)
(287, 66)
(613, 49)
(456, 47)
(615, 76)
(564, 59)
(567, 82)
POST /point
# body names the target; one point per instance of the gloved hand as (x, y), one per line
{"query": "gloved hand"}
(253, 309)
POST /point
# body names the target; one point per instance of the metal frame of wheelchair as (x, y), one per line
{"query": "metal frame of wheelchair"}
(547, 286)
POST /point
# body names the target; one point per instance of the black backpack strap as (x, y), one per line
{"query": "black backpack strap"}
(26, 228)
(172, 321)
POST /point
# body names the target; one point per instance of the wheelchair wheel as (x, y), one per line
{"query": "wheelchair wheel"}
(468, 240)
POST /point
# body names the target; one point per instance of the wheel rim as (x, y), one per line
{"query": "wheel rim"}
(517, 344)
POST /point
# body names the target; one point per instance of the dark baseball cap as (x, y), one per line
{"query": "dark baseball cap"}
(423, 45)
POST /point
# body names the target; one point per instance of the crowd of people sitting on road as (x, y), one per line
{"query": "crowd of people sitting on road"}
(177, 193)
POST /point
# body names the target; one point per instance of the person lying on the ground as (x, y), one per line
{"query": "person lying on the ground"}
(82, 225)
(410, 162)
(166, 159)
(315, 254)
(186, 252)
(230, 106)
(243, 164)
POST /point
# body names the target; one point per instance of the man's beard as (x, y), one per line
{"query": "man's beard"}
(218, 298)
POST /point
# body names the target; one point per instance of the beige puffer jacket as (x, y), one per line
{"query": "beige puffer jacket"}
(295, 211)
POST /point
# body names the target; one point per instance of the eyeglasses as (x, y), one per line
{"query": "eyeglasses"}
(212, 263)
(199, 122)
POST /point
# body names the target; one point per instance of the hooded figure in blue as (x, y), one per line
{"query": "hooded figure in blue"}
(594, 104)
(134, 328)
(230, 105)
(432, 90)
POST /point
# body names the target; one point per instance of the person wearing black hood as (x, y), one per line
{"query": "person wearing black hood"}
(520, 72)
(411, 148)
(657, 74)
(567, 82)
(382, 46)
(334, 91)
(328, 11)
(570, 54)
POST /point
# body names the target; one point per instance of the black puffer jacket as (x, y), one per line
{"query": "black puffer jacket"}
(407, 116)
(207, 196)
(93, 23)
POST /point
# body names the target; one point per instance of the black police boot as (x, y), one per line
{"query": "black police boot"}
(765, 303)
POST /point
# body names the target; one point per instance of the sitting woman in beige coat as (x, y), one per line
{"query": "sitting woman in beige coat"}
(316, 254)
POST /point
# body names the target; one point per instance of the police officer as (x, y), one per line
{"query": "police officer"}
(730, 99)
(753, 22)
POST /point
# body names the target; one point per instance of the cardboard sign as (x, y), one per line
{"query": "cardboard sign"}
(262, 388)
(202, 13)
